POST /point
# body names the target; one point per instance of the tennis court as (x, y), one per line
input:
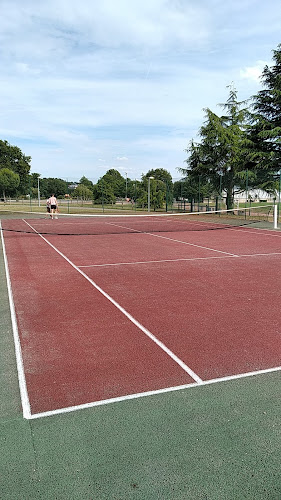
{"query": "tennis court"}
(113, 309)
(106, 316)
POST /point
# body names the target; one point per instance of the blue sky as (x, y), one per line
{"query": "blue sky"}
(90, 85)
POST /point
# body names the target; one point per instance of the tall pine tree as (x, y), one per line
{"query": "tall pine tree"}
(221, 156)
(266, 120)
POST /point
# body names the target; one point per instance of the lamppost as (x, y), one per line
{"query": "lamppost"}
(126, 186)
(148, 194)
(38, 190)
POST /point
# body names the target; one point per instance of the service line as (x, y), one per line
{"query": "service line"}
(179, 260)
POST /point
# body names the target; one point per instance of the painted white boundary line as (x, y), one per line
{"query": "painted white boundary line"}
(255, 230)
(22, 382)
(159, 261)
(173, 239)
(180, 260)
(150, 393)
(186, 368)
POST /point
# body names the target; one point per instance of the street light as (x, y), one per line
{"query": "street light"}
(126, 185)
(148, 194)
(38, 190)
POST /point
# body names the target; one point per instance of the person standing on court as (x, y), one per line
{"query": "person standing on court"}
(53, 205)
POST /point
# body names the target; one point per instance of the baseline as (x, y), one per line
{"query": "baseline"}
(151, 393)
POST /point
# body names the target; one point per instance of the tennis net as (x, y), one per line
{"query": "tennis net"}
(86, 224)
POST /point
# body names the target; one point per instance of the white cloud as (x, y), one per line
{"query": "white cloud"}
(88, 85)
(253, 72)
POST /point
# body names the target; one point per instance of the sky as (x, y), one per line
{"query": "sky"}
(90, 85)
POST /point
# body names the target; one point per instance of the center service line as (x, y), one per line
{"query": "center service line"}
(128, 315)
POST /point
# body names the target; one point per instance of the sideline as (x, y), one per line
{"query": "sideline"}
(21, 376)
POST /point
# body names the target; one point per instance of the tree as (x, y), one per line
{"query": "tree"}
(137, 193)
(103, 192)
(162, 175)
(224, 149)
(11, 157)
(157, 192)
(109, 187)
(9, 181)
(193, 188)
(266, 120)
(198, 182)
(49, 185)
(82, 192)
(114, 179)
(86, 182)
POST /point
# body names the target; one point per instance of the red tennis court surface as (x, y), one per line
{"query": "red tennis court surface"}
(109, 316)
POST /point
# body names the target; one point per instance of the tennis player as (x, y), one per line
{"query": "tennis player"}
(53, 205)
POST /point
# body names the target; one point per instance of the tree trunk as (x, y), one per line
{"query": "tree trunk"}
(229, 199)
(229, 191)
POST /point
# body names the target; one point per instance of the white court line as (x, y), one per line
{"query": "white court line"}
(158, 261)
(173, 239)
(259, 254)
(150, 393)
(179, 260)
(186, 368)
(255, 230)
(22, 382)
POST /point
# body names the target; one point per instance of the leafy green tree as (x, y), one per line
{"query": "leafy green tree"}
(11, 157)
(9, 181)
(111, 186)
(265, 131)
(82, 192)
(137, 193)
(103, 192)
(114, 179)
(33, 185)
(198, 182)
(157, 192)
(86, 182)
(130, 188)
(34, 179)
(223, 152)
(161, 174)
(51, 185)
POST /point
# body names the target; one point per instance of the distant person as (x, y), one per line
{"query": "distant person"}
(53, 205)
